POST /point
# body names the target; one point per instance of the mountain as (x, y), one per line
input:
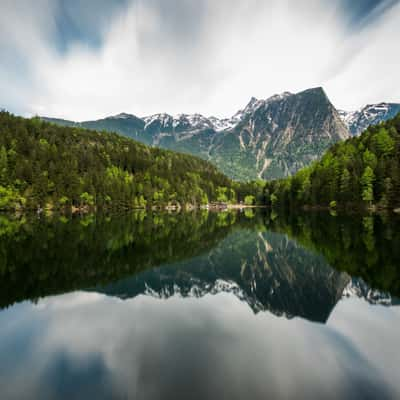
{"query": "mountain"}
(283, 133)
(372, 114)
(359, 289)
(269, 138)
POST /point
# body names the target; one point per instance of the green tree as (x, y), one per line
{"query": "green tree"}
(367, 184)
(3, 166)
(370, 159)
(345, 185)
(384, 142)
(249, 200)
(87, 199)
(222, 194)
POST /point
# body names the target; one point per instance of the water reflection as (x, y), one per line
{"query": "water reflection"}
(199, 306)
(263, 269)
(213, 347)
(260, 252)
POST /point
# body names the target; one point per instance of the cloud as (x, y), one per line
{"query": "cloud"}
(202, 56)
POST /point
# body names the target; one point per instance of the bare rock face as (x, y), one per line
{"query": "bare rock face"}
(283, 134)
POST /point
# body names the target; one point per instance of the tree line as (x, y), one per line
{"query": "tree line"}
(47, 166)
(362, 171)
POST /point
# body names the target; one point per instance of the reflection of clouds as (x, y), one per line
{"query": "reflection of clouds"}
(372, 331)
(74, 300)
(192, 348)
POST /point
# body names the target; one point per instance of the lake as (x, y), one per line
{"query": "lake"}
(229, 305)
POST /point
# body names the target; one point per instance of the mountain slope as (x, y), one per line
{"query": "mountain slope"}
(372, 114)
(282, 134)
(269, 138)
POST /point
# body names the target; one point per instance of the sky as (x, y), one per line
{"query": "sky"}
(86, 59)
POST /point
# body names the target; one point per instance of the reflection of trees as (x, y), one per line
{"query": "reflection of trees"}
(54, 255)
(366, 247)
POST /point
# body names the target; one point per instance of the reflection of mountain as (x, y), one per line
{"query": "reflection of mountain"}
(266, 270)
(201, 253)
(362, 246)
(358, 288)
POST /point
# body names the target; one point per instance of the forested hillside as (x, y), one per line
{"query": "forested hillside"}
(362, 171)
(47, 166)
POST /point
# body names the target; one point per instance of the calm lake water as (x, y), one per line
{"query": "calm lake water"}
(248, 305)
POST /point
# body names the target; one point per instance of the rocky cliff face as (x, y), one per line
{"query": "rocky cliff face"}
(269, 138)
(278, 136)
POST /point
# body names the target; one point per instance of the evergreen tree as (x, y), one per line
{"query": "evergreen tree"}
(367, 184)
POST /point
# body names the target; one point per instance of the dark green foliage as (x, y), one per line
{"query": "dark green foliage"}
(47, 166)
(42, 256)
(362, 246)
(361, 171)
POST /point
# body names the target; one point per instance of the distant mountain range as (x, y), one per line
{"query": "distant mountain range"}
(372, 114)
(267, 139)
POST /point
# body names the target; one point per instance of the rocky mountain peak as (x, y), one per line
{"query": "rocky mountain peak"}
(371, 114)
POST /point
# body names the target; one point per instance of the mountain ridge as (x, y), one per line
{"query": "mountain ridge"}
(371, 114)
(267, 139)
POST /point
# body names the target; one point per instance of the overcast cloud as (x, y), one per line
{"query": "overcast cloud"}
(82, 59)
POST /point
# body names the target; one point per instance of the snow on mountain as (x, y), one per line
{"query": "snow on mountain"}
(359, 289)
(348, 117)
(179, 122)
(163, 119)
(356, 121)
(191, 122)
(222, 124)
(200, 122)
(372, 114)
(123, 116)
